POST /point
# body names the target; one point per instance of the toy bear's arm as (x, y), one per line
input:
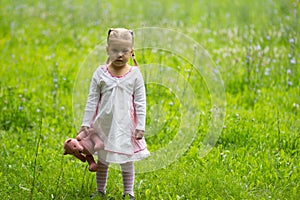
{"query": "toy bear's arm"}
(80, 157)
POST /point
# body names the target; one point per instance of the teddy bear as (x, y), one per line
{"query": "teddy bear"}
(84, 146)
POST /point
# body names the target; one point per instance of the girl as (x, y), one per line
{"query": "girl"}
(116, 109)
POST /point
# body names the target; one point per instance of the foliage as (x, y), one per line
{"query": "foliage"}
(255, 45)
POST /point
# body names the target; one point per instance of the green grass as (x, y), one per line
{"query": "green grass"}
(255, 46)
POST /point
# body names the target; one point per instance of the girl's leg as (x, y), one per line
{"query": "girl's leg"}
(101, 177)
(128, 177)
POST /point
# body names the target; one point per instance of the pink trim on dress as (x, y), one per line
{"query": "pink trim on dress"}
(118, 76)
(138, 145)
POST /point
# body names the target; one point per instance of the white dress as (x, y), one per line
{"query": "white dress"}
(115, 108)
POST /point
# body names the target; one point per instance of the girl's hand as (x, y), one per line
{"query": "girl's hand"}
(84, 129)
(139, 134)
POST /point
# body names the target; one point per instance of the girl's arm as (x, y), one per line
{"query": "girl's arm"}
(92, 101)
(140, 102)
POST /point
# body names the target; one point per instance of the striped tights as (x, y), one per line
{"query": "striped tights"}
(127, 176)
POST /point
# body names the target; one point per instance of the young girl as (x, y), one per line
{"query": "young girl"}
(116, 109)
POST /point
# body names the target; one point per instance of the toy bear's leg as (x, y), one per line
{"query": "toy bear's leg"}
(99, 145)
(101, 177)
(92, 164)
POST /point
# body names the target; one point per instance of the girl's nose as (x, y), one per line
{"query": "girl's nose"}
(120, 53)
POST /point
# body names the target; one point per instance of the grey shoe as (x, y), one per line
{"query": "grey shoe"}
(97, 195)
(128, 196)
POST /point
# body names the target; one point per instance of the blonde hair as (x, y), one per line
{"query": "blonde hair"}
(120, 34)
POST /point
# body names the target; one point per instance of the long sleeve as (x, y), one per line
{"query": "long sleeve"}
(140, 102)
(93, 99)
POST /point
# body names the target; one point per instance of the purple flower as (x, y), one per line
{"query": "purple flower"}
(293, 61)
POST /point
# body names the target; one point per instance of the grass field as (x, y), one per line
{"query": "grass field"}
(254, 45)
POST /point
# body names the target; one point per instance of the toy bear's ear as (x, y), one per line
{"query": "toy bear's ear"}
(66, 146)
(66, 152)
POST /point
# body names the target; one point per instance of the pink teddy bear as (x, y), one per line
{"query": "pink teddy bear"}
(84, 146)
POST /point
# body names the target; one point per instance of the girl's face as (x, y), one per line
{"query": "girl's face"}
(119, 52)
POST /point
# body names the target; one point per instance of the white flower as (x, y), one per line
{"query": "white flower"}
(257, 47)
(295, 105)
(267, 72)
(293, 61)
(291, 40)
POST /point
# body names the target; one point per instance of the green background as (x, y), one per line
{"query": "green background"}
(254, 44)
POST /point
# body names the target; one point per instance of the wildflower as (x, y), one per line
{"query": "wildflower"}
(293, 61)
(257, 47)
(62, 108)
(21, 108)
(291, 40)
(267, 72)
(248, 59)
(55, 80)
(223, 155)
(154, 50)
(289, 71)
(296, 106)
(290, 83)
(38, 110)
(268, 37)
(44, 32)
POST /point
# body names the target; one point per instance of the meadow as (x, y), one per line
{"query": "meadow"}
(254, 45)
